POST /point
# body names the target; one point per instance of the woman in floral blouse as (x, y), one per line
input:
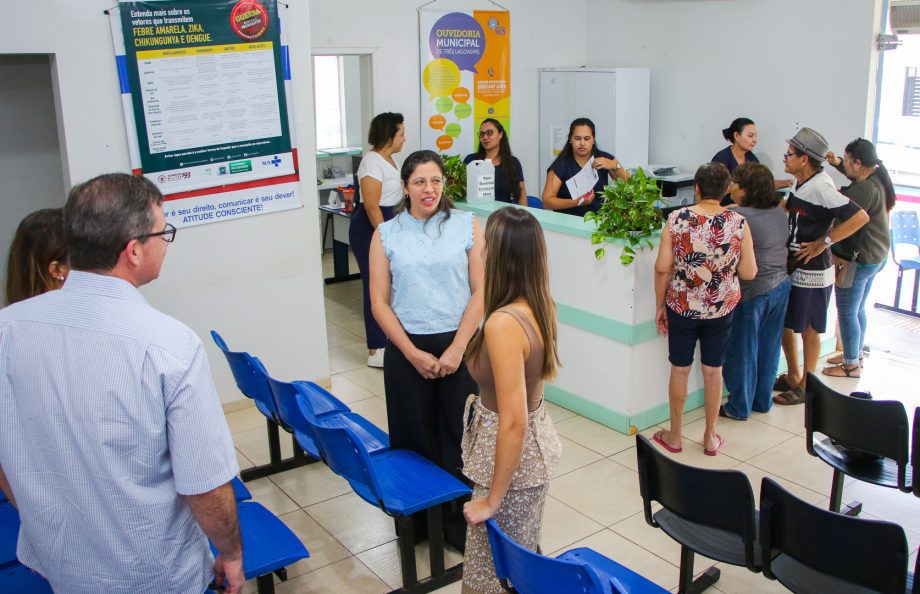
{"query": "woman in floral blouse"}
(704, 250)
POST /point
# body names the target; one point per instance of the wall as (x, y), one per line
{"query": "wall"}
(783, 63)
(390, 30)
(257, 280)
(28, 142)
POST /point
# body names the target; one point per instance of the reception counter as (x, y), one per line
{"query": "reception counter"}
(614, 365)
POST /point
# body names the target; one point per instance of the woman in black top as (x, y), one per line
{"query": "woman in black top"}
(509, 176)
(578, 150)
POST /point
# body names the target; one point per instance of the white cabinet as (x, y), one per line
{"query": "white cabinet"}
(615, 99)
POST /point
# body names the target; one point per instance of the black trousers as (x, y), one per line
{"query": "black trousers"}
(426, 416)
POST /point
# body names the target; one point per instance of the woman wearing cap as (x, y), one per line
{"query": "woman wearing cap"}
(865, 251)
(819, 216)
(509, 176)
(742, 136)
(580, 147)
(381, 191)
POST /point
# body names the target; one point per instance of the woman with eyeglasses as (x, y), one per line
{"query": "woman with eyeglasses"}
(862, 255)
(426, 268)
(742, 137)
(580, 149)
(381, 191)
(509, 175)
(38, 256)
(755, 338)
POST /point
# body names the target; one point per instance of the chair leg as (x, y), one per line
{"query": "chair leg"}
(276, 462)
(265, 584)
(897, 288)
(913, 305)
(436, 540)
(851, 509)
(687, 584)
(405, 542)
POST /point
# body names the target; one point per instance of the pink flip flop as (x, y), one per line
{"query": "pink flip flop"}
(657, 439)
(719, 445)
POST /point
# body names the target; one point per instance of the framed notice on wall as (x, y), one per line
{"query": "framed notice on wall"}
(205, 87)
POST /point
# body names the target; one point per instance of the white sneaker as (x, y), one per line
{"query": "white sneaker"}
(375, 360)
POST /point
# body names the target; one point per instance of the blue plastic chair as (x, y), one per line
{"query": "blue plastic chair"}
(269, 546)
(298, 403)
(905, 229)
(9, 534)
(534, 202)
(19, 578)
(240, 492)
(400, 483)
(251, 379)
(578, 570)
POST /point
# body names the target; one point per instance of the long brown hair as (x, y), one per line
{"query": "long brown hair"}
(516, 266)
(38, 242)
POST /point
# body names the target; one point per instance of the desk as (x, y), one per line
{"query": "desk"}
(341, 220)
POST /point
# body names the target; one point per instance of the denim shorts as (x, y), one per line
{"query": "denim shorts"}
(712, 333)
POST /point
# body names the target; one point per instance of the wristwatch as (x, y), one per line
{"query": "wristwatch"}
(827, 241)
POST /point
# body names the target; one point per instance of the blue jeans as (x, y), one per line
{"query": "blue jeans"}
(753, 351)
(851, 311)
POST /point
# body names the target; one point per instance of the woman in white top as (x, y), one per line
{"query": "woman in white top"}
(381, 191)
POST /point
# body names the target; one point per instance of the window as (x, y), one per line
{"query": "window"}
(911, 93)
(328, 99)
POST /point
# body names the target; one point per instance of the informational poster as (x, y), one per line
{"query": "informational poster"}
(204, 89)
(466, 76)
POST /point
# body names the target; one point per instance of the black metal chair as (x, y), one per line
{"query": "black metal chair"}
(710, 512)
(810, 550)
(915, 457)
(865, 439)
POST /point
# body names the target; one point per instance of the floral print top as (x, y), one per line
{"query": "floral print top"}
(704, 280)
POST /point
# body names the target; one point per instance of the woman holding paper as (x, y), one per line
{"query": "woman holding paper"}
(509, 176)
(579, 164)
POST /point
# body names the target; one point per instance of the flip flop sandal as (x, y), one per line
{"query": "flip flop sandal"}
(794, 395)
(657, 439)
(838, 360)
(781, 383)
(852, 372)
(719, 443)
(725, 415)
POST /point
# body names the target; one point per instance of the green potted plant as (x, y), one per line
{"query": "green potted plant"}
(627, 215)
(455, 172)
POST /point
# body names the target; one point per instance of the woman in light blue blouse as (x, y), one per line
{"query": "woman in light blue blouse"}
(426, 268)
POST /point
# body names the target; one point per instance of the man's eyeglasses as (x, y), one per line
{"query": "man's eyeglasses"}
(486, 133)
(787, 155)
(168, 234)
(420, 182)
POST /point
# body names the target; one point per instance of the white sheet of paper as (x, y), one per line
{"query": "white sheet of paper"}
(583, 181)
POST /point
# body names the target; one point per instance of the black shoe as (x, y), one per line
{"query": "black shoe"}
(724, 414)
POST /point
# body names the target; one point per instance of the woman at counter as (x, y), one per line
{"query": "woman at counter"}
(757, 330)
(509, 175)
(580, 147)
(426, 293)
(510, 446)
(742, 136)
(381, 191)
(866, 250)
(705, 249)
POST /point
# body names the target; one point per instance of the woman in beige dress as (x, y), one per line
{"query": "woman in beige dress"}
(510, 447)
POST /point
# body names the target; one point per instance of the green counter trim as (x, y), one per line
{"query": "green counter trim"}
(613, 419)
(606, 327)
(549, 219)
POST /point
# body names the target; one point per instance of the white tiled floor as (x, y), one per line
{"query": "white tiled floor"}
(594, 498)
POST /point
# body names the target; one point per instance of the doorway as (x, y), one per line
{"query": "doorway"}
(30, 150)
